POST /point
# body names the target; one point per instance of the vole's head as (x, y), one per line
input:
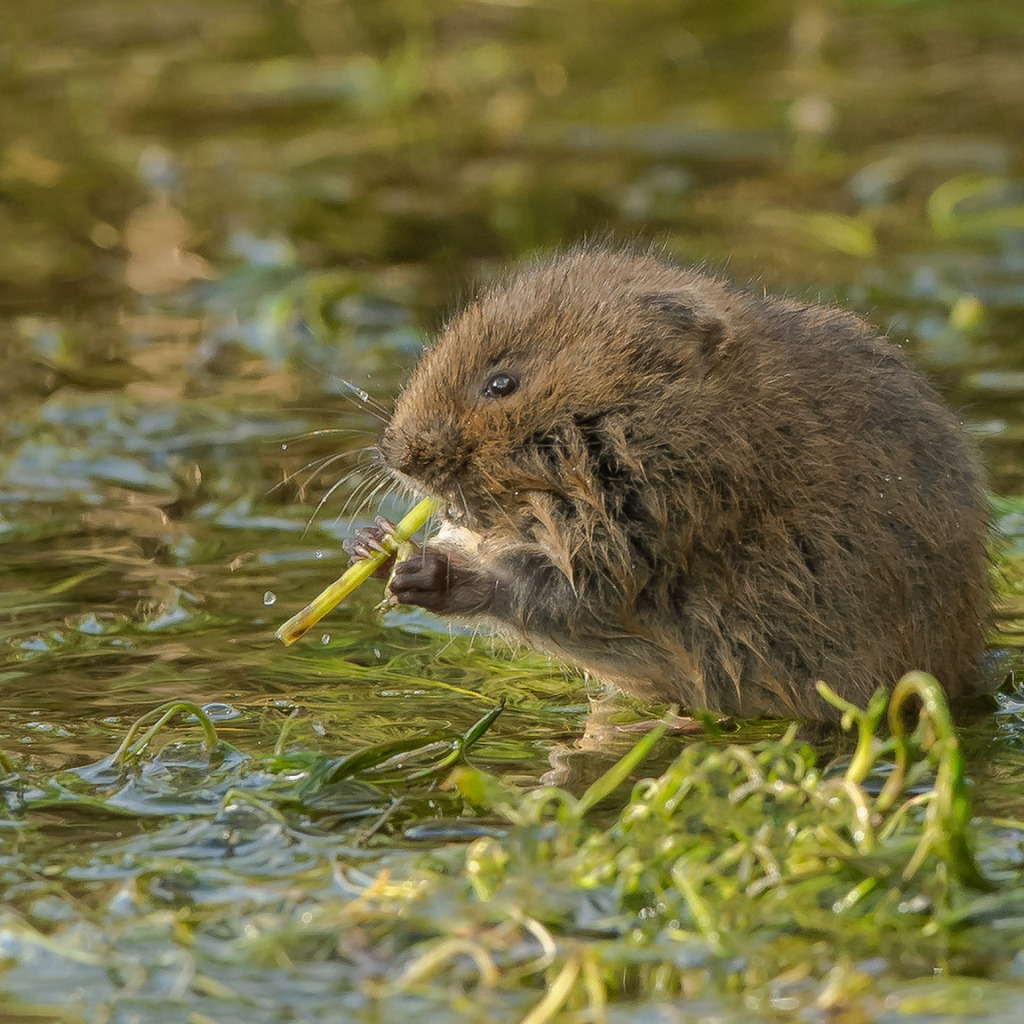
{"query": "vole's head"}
(542, 385)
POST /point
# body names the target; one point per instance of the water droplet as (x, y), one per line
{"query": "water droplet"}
(269, 598)
(887, 478)
(376, 653)
(318, 553)
(218, 711)
(326, 638)
(284, 447)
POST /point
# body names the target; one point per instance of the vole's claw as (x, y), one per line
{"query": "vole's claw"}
(362, 544)
(368, 541)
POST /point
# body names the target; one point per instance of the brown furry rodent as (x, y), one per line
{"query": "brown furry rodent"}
(698, 494)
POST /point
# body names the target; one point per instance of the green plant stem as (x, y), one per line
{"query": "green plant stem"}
(354, 576)
(164, 713)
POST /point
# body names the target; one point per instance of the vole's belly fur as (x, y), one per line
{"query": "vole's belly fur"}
(700, 495)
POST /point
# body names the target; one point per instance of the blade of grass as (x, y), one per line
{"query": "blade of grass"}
(463, 743)
(620, 771)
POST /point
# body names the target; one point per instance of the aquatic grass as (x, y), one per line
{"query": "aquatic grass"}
(976, 207)
(132, 747)
(740, 871)
(187, 778)
(735, 848)
(732, 840)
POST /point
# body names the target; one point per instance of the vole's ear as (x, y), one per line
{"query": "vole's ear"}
(692, 320)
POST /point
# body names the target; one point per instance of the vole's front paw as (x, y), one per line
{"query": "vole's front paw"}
(369, 540)
(430, 579)
(424, 579)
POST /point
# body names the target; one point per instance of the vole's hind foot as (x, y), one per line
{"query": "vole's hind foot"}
(368, 541)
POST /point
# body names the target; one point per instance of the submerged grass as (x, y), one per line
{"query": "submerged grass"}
(741, 880)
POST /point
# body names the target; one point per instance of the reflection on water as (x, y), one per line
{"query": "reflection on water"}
(227, 226)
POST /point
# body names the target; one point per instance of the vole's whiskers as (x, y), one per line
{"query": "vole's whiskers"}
(367, 490)
(357, 500)
(491, 497)
(306, 435)
(316, 466)
(434, 520)
(365, 400)
(358, 455)
(463, 504)
(342, 480)
(355, 394)
(323, 501)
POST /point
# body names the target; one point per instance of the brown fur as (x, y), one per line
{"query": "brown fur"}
(698, 494)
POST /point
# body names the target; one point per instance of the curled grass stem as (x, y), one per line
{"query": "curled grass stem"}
(947, 807)
(948, 812)
(428, 964)
(866, 720)
(131, 747)
(557, 995)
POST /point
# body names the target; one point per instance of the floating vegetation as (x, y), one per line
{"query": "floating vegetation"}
(739, 876)
(976, 206)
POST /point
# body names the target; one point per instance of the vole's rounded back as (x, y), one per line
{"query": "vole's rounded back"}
(699, 494)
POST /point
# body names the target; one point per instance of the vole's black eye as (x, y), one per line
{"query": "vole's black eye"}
(500, 385)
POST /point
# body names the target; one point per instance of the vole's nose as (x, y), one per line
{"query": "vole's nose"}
(427, 455)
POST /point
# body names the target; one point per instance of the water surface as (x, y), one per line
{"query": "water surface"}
(228, 230)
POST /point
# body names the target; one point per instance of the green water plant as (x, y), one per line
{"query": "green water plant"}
(734, 865)
(738, 876)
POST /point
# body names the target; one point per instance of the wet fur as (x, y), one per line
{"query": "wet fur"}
(696, 493)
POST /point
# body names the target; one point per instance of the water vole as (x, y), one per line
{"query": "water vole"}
(698, 494)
